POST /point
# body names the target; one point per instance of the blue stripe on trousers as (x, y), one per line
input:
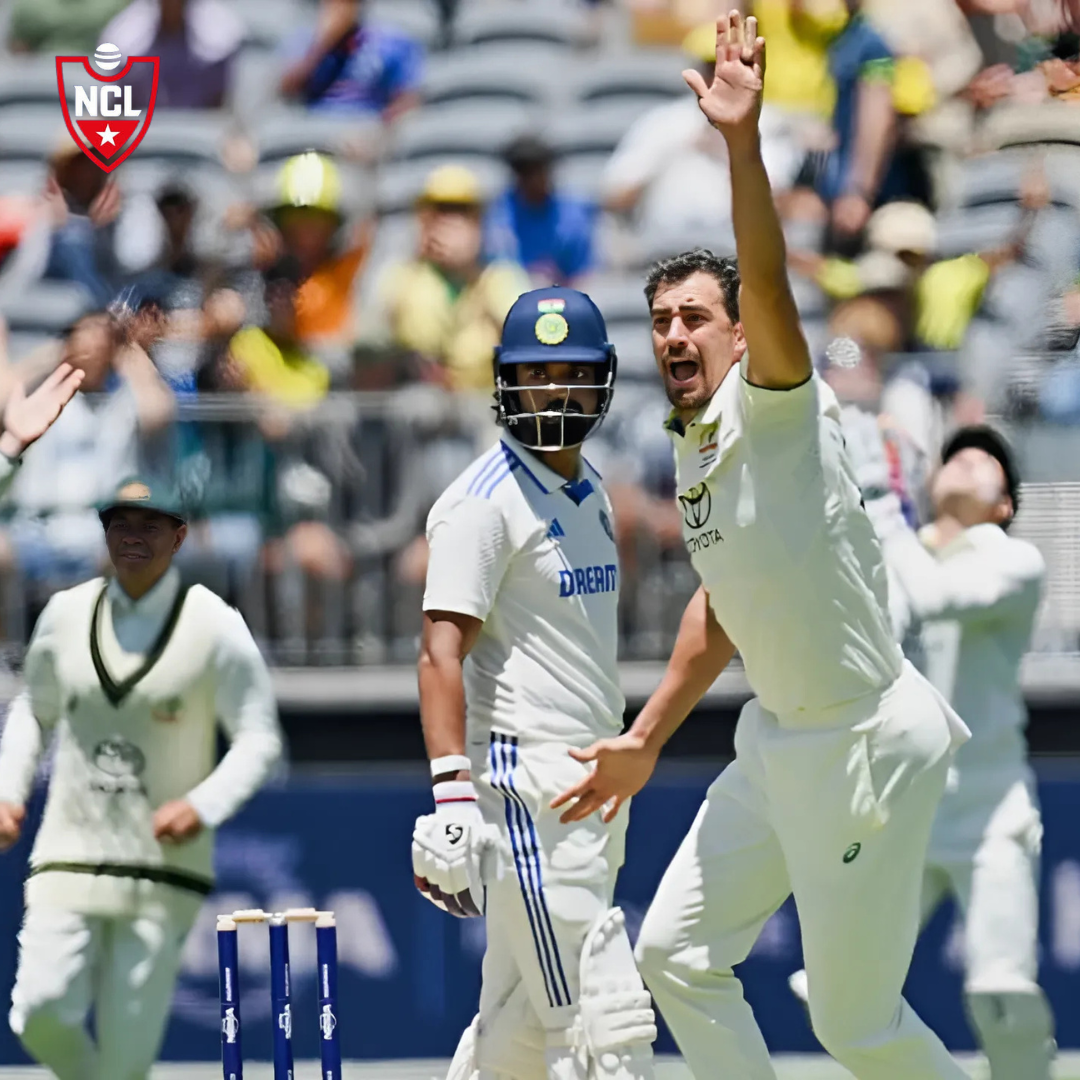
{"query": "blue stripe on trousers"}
(530, 847)
(539, 882)
(500, 762)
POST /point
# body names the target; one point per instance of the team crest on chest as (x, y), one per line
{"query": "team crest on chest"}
(708, 445)
(168, 711)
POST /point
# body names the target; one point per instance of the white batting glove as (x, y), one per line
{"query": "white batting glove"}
(448, 850)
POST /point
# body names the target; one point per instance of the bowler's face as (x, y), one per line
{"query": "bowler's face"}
(694, 340)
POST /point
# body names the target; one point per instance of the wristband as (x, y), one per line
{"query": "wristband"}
(454, 791)
(448, 764)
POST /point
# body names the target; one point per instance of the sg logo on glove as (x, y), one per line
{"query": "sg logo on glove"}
(447, 863)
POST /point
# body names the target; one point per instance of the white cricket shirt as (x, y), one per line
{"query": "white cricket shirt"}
(533, 556)
(773, 521)
(135, 690)
(976, 599)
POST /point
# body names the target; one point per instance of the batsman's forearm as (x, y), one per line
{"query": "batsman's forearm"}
(702, 650)
(442, 704)
(759, 238)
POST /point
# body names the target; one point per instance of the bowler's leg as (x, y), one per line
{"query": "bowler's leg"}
(725, 881)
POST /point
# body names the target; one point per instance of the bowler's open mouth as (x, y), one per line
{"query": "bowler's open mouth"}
(682, 371)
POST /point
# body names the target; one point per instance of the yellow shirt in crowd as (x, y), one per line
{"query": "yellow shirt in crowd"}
(798, 73)
(288, 375)
(458, 328)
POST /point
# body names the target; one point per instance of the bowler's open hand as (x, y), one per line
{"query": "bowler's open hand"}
(623, 767)
(733, 102)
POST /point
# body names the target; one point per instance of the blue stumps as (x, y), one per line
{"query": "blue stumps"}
(281, 998)
(232, 1059)
(326, 953)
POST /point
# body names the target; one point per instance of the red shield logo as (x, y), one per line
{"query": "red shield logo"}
(107, 115)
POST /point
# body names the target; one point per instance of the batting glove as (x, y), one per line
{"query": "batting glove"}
(448, 849)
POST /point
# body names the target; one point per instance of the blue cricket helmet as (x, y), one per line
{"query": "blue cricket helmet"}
(552, 326)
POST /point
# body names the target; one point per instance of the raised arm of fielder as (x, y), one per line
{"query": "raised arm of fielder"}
(777, 355)
(28, 417)
(624, 764)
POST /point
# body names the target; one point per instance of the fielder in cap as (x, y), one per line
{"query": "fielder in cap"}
(131, 675)
(967, 593)
(842, 757)
(518, 662)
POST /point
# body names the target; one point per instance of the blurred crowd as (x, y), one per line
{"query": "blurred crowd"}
(288, 296)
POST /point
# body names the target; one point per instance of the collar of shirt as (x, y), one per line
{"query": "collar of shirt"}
(154, 604)
(721, 410)
(546, 478)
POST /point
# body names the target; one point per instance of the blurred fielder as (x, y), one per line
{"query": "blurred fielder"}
(132, 675)
(842, 758)
(974, 591)
(518, 661)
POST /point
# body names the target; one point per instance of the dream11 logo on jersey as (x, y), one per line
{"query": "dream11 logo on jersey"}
(98, 108)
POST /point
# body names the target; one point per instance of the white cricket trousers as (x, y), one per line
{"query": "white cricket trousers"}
(550, 885)
(984, 851)
(840, 816)
(122, 969)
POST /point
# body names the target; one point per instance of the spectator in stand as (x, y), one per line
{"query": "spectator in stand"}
(83, 204)
(348, 65)
(271, 361)
(196, 40)
(936, 299)
(53, 534)
(180, 277)
(797, 78)
(446, 306)
(59, 27)
(857, 175)
(307, 224)
(548, 232)
(670, 170)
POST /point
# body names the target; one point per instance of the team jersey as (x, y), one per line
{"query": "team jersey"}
(135, 727)
(533, 556)
(975, 601)
(773, 521)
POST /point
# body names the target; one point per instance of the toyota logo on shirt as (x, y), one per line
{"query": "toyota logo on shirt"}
(696, 506)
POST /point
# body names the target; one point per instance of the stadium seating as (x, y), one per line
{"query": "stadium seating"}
(535, 22)
(467, 129)
(488, 75)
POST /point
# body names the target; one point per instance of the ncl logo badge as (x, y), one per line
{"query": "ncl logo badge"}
(105, 119)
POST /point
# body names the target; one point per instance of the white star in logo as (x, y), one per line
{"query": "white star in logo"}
(108, 136)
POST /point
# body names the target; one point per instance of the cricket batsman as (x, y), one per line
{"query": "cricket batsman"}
(131, 676)
(517, 663)
(974, 592)
(842, 757)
